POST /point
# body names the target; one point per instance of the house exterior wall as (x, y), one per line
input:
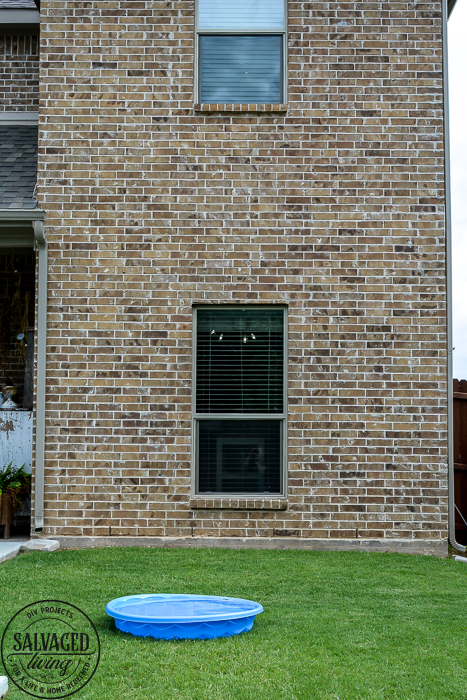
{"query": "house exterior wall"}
(333, 206)
(19, 73)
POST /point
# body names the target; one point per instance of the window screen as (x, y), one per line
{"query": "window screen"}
(239, 456)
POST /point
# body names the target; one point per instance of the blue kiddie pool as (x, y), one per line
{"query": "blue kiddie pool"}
(167, 616)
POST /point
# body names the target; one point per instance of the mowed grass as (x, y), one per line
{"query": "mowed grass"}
(336, 625)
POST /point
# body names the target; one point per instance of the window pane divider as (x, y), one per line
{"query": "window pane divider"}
(222, 31)
(239, 416)
(253, 496)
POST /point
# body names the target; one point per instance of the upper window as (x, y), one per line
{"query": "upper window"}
(239, 400)
(241, 53)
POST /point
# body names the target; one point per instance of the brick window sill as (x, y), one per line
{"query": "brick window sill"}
(240, 108)
(238, 503)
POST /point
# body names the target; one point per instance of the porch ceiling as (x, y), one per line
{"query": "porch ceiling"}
(18, 4)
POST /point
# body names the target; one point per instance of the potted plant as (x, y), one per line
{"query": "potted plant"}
(15, 485)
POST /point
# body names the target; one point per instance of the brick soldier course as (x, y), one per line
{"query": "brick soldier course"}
(331, 204)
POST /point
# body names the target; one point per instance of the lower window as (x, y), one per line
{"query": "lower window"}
(239, 400)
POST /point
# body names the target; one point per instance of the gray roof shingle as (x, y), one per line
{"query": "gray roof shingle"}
(18, 166)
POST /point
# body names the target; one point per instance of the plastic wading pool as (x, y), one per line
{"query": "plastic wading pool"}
(168, 616)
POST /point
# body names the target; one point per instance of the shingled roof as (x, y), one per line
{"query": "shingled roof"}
(18, 166)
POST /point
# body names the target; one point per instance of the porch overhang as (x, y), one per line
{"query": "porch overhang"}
(19, 20)
(17, 227)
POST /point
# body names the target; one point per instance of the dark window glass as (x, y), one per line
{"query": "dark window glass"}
(239, 456)
(241, 68)
(240, 361)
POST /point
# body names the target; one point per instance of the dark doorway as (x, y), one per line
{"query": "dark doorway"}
(17, 301)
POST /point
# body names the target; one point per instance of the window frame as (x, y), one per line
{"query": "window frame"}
(244, 31)
(197, 417)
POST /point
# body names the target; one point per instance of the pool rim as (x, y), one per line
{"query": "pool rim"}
(253, 609)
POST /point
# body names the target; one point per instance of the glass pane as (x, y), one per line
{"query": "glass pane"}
(240, 361)
(241, 69)
(241, 14)
(239, 456)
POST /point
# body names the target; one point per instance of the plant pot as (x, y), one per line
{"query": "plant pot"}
(5, 515)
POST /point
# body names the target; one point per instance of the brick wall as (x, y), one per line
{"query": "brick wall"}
(19, 73)
(334, 207)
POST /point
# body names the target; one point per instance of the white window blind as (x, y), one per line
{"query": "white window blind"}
(241, 14)
(240, 361)
(241, 68)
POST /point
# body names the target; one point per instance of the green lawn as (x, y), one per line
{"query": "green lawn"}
(336, 625)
